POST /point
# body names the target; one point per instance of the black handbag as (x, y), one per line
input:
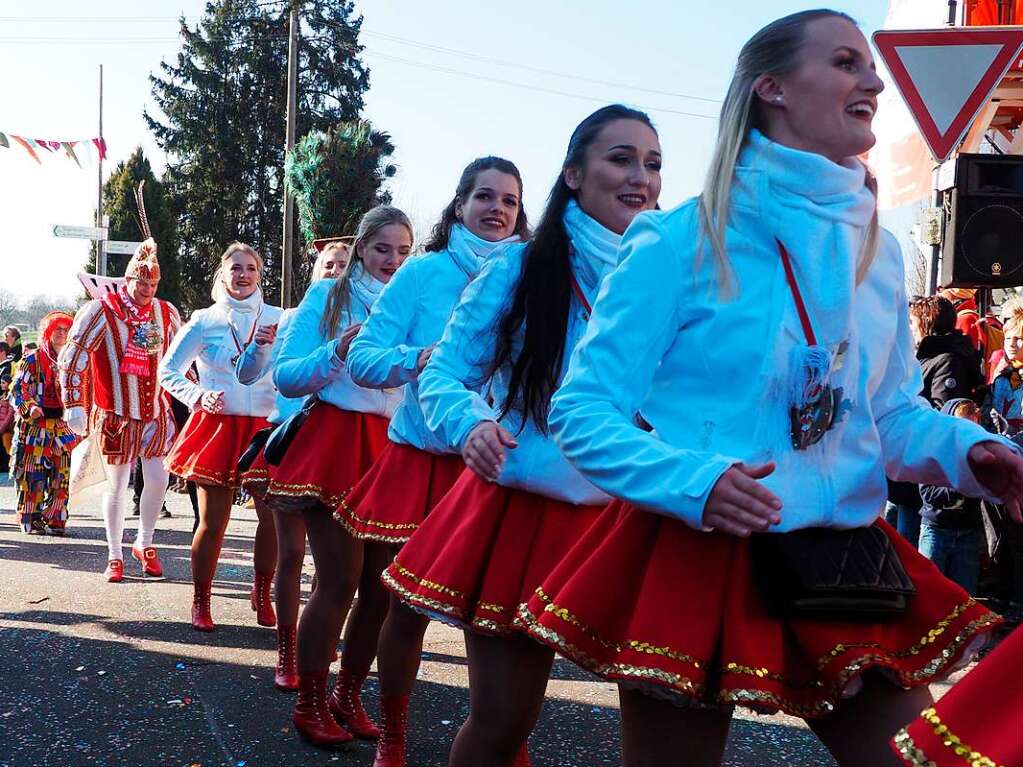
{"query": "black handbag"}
(258, 441)
(281, 437)
(827, 574)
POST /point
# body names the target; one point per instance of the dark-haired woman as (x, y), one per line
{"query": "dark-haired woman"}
(506, 523)
(763, 330)
(343, 435)
(418, 466)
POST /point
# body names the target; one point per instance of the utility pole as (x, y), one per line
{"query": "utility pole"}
(101, 251)
(289, 143)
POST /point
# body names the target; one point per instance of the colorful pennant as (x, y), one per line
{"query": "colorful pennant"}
(34, 146)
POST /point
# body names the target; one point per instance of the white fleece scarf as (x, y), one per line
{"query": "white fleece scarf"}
(594, 248)
(819, 210)
(364, 287)
(470, 251)
(242, 313)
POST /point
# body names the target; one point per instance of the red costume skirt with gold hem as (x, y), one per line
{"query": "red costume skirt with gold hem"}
(977, 722)
(256, 479)
(646, 600)
(209, 446)
(483, 550)
(391, 501)
(326, 457)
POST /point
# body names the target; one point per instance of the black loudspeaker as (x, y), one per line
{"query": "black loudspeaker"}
(983, 244)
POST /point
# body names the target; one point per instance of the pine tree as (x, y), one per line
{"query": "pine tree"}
(119, 205)
(224, 105)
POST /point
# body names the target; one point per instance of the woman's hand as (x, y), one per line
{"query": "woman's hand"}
(212, 402)
(1000, 471)
(739, 504)
(266, 335)
(424, 357)
(35, 411)
(345, 341)
(486, 447)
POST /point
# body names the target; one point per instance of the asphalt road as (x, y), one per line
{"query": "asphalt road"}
(112, 675)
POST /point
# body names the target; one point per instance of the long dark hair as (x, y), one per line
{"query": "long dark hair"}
(544, 293)
(438, 239)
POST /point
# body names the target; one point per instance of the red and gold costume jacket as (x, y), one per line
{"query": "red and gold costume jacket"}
(129, 411)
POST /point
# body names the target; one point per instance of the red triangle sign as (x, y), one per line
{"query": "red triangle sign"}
(947, 75)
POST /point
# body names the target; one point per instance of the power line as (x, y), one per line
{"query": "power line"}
(537, 70)
(402, 41)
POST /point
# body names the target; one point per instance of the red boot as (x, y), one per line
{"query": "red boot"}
(201, 618)
(285, 676)
(391, 745)
(260, 599)
(346, 706)
(312, 717)
(522, 757)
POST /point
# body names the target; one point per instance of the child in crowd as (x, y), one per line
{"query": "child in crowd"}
(950, 523)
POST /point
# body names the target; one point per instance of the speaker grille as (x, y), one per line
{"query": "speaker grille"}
(992, 241)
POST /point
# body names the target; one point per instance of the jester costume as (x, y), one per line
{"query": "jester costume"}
(41, 448)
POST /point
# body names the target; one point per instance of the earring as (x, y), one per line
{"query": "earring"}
(777, 99)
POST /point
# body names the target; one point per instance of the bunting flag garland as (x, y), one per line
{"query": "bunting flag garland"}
(36, 146)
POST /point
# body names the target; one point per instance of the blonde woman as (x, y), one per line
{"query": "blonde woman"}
(225, 415)
(341, 437)
(762, 330)
(256, 361)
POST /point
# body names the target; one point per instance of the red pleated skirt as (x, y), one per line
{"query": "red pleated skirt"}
(391, 501)
(978, 721)
(208, 448)
(645, 599)
(256, 478)
(327, 456)
(482, 551)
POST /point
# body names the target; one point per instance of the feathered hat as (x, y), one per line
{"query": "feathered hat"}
(143, 264)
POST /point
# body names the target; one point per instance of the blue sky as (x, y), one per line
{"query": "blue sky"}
(496, 88)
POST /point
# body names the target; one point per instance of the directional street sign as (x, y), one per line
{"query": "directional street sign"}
(80, 232)
(122, 247)
(947, 75)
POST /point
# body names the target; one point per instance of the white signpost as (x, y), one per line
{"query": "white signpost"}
(98, 234)
(81, 232)
(122, 247)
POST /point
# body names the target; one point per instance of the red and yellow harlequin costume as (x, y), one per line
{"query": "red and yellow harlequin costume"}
(977, 723)
(111, 390)
(41, 448)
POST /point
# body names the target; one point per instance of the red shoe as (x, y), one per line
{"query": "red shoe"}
(260, 599)
(391, 745)
(522, 757)
(346, 706)
(312, 718)
(149, 560)
(115, 571)
(285, 676)
(201, 618)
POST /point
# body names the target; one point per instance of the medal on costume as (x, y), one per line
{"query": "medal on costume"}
(816, 404)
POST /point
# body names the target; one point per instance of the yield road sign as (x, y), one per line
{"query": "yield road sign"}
(947, 75)
(121, 247)
(81, 232)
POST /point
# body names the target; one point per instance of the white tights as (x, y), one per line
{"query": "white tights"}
(115, 501)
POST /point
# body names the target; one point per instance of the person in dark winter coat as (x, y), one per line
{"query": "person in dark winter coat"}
(951, 524)
(951, 365)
